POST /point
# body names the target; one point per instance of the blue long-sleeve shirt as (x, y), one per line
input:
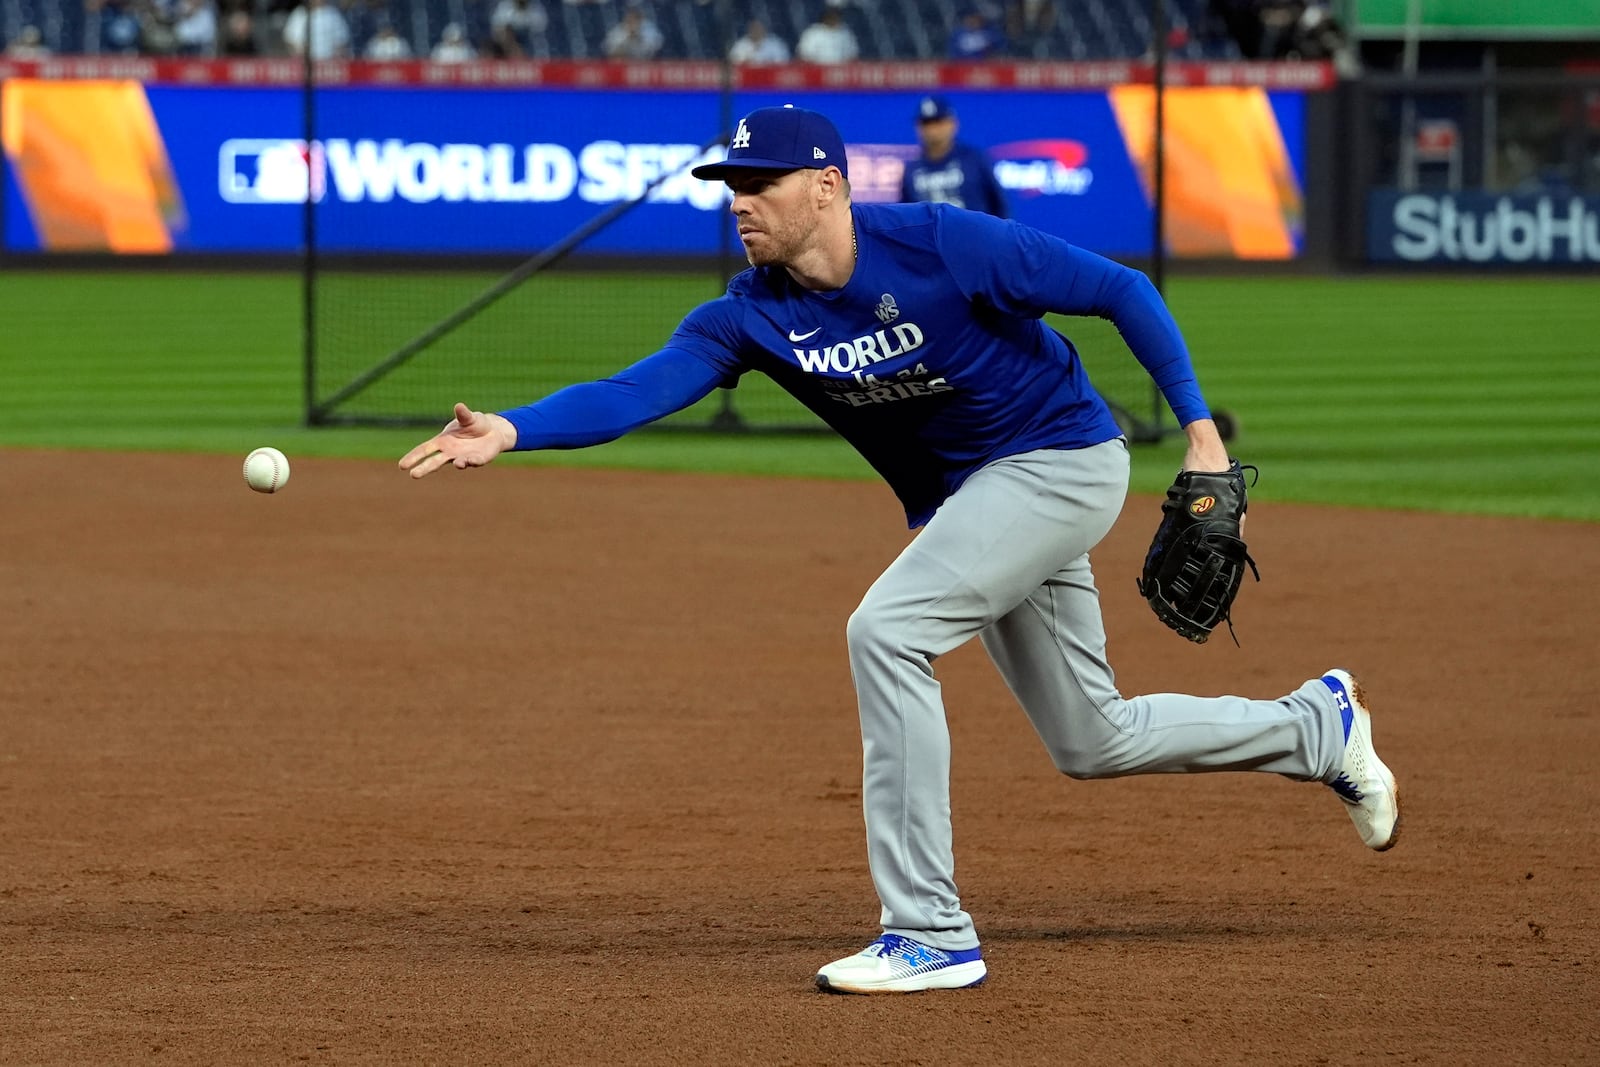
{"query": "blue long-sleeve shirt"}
(964, 177)
(932, 360)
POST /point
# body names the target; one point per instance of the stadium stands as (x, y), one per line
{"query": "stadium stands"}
(61, 25)
(885, 29)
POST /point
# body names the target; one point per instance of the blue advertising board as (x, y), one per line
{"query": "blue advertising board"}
(514, 170)
(1475, 228)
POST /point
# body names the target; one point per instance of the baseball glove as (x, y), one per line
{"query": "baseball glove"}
(1197, 559)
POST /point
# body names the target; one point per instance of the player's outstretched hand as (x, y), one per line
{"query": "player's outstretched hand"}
(471, 439)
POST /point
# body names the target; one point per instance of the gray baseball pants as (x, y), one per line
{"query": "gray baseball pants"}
(1006, 558)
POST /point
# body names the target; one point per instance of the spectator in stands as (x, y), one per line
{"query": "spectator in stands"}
(387, 44)
(1317, 34)
(1278, 19)
(758, 47)
(194, 28)
(156, 18)
(1030, 19)
(1282, 29)
(238, 34)
(28, 44)
(322, 25)
(976, 37)
(453, 46)
(828, 40)
(635, 37)
(120, 32)
(516, 28)
(949, 171)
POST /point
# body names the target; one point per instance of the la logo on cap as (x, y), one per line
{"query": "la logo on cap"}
(741, 136)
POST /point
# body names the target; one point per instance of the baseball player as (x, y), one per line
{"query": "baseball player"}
(949, 171)
(914, 331)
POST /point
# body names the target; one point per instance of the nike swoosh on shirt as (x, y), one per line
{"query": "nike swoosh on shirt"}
(803, 336)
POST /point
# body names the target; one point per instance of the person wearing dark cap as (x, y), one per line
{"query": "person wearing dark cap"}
(915, 331)
(949, 171)
(976, 37)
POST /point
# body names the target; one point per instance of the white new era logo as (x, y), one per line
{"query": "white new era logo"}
(741, 136)
(817, 153)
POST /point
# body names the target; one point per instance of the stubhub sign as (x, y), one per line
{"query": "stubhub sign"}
(1476, 228)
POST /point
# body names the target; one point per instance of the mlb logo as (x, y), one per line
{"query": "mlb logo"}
(270, 171)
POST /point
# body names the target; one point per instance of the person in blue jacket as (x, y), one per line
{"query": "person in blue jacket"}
(949, 171)
(914, 330)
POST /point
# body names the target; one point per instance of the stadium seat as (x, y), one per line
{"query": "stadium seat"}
(573, 30)
(675, 42)
(556, 45)
(593, 20)
(884, 29)
(703, 29)
(789, 19)
(907, 16)
(70, 25)
(906, 38)
(861, 23)
(416, 24)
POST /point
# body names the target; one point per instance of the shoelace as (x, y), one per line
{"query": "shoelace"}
(1347, 790)
(908, 951)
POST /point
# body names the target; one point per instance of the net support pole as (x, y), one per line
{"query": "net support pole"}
(308, 236)
(1158, 150)
(1158, 177)
(555, 252)
(727, 416)
(1409, 64)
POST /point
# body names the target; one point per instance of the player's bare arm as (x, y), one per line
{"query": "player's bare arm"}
(1206, 450)
(471, 439)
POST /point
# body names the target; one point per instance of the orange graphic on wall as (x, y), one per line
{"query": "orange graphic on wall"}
(1230, 188)
(91, 165)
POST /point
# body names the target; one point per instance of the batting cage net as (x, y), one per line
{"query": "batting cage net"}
(395, 339)
(396, 336)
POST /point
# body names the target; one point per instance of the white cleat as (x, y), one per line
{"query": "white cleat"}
(896, 964)
(1365, 784)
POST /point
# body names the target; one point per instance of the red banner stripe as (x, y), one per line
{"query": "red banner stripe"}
(668, 75)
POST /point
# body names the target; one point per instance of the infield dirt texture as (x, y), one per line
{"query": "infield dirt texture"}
(536, 766)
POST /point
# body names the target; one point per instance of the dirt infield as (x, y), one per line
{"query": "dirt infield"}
(531, 766)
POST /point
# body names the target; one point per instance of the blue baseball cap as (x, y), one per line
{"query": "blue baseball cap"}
(779, 138)
(934, 108)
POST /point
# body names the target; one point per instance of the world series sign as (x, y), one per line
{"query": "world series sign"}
(159, 157)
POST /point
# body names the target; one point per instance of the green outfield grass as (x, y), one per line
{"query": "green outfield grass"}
(1460, 394)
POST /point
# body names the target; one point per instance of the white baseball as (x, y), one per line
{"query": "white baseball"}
(266, 470)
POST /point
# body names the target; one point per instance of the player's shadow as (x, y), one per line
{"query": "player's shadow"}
(1183, 929)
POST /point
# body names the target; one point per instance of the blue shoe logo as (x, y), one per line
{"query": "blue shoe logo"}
(1347, 713)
